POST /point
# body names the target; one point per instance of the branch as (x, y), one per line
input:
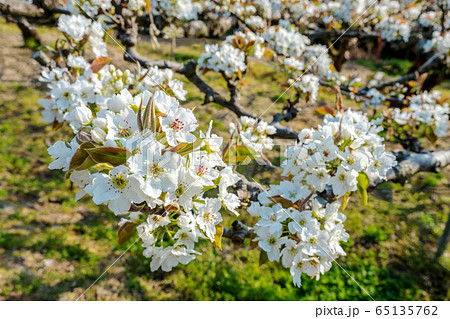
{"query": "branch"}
(211, 96)
(289, 111)
(42, 58)
(410, 163)
(320, 34)
(132, 55)
(28, 31)
(432, 62)
(247, 191)
(394, 102)
(238, 232)
(18, 8)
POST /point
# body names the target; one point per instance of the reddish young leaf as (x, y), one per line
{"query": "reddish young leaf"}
(110, 155)
(80, 156)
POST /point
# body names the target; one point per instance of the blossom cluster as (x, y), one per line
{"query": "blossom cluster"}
(79, 28)
(440, 43)
(138, 151)
(395, 20)
(286, 42)
(394, 28)
(77, 88)
(180, 9)
(296, 225)
(169, 167)
(223, 58)
(424, 109)
(308, 85)
(253, 133)
(90, 7)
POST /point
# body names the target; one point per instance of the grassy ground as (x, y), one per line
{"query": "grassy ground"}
(53, 248)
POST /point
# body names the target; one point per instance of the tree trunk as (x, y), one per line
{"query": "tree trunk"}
(30, 35)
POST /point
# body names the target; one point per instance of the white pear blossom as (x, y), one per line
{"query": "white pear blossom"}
(208, 216)
(76, 26)
(178, 125)
(118, 189)
(270, 242)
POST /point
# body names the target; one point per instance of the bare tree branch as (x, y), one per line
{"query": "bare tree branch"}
(360, 34)
(394, 102)
(238, 232)
(410, 163)
(132, 55)
(18, 8)
(432, 63)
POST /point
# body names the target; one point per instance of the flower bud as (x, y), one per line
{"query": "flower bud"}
(98, 134)
(99, 122)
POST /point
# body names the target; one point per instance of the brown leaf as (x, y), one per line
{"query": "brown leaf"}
(172, 207)
(125, 232)
(324, 110)
(286, 203)
(99, 63)
(56, 125)
(253, 244)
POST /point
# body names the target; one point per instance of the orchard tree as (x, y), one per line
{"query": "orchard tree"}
(141, 153)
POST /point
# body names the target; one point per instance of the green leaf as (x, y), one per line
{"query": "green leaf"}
(263, 258)
(80, 156)
(111, 155)
(346, 199)
(218, 236)
(385, 185)
(363, 184)
(345, 144)
(207, 188)
(431, 135)
(238, 154)
(147, 113)
(139, 118)
(244, 150)
(125, 232)
(88, 163)
(189, 148)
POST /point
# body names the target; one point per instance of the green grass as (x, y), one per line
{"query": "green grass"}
(393, 67)
(54, 248)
